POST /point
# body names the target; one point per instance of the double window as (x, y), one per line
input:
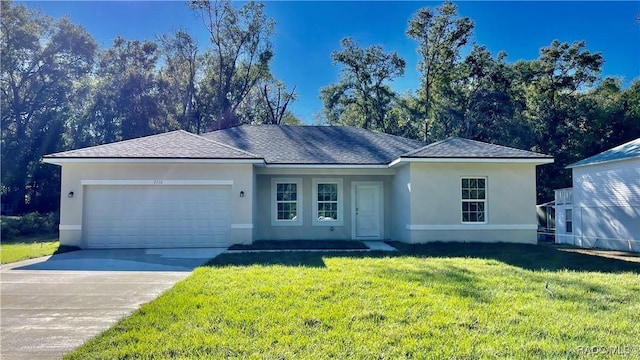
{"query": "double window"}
(474, 200)
(287, 202)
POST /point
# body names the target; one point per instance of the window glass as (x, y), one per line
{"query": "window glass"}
(474, 196)
(569, 220)
(327, 201)
(287, 201)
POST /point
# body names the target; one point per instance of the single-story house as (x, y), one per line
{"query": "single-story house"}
(270, 182)
(603, 207)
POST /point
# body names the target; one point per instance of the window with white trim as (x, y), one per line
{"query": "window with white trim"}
(474, 200)
(328, 204)
(568, 221)
(286, 201)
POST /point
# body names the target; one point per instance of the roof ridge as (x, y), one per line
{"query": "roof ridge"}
(426, 146)
(499, 145)
(221, 144)
(479, 144)
(311, 144)
(382, 133)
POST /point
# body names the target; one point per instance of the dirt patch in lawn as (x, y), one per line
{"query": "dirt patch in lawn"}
(611, 254)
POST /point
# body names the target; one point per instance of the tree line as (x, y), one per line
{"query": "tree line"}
(60, 90)
(557, 104)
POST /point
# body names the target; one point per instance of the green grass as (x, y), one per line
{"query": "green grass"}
(31, 247)
(438, 301)
(301, 245)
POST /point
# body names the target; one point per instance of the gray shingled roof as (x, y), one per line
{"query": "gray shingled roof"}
(455, 147)
(175, 144)
(627, 150)
(299, 145)
(329, 145)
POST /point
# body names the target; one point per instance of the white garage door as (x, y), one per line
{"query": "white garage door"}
(156, 216)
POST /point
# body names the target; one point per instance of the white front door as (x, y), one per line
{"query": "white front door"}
(367, 210)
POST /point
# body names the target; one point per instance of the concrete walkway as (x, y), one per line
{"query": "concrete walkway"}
(379, 246)
(50, 306)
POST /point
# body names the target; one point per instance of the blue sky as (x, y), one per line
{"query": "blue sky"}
(307, 32)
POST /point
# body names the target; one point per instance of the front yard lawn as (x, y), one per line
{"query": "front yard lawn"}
(24, 248)
(425, 301)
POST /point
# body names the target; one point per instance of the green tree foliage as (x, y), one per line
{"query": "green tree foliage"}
(441, 35)
(42, 60)
(178, 80)
(238, 60)
(481, 102)
(607, 115)
(556, 104)
(553, 86)
(125, 102)
(60, 91)
(362, 97)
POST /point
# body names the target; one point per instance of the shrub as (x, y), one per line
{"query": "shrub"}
(30, 224)
(8, 228)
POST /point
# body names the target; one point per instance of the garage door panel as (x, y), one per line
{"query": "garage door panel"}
(157, 216)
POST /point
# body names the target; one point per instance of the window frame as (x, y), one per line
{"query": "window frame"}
(485, 201)
(568, 221)
(274, 202)
(340, 202)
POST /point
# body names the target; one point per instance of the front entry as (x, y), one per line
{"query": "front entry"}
(367, 210)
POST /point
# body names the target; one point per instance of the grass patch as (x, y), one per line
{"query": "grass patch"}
(531, 257)
(24, 248)
(430, 301)
(302, 245)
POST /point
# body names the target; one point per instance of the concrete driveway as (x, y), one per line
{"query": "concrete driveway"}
(50, 306)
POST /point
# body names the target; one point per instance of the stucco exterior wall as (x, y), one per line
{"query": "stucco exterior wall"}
(73, 175)
(400, 205)
(264, 230)
(421, 201)
(436, 213)
(607, 205)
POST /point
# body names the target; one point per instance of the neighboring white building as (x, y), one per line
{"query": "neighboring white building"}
(605, 211)
(564, 216)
